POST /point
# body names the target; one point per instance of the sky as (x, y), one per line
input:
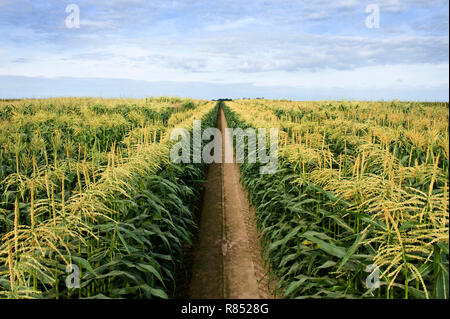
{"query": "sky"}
(292, 49)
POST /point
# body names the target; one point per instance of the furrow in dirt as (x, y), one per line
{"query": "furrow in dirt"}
(227, 258)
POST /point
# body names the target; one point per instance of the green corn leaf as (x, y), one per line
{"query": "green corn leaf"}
(352, 249)
(83, 262)
(331, 249)
(442, 282)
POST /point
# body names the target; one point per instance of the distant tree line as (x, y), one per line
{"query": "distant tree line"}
(244, 98)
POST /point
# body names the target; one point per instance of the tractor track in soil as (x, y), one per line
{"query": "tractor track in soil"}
(227, 260)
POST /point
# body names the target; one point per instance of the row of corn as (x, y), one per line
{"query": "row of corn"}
(88, 190)
(359, 205)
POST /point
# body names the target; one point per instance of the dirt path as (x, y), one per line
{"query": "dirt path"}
(227, 259)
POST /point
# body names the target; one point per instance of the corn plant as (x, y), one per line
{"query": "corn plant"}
(352, 192)
(89, 182)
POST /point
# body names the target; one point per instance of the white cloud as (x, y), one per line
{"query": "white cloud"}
(313, 44)
(96, 24)
(234, 24)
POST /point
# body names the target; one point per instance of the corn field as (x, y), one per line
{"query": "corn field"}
(89, 182)
(362, 187)
(357, 209)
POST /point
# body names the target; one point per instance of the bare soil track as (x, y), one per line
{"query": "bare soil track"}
(227, 257)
